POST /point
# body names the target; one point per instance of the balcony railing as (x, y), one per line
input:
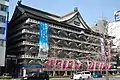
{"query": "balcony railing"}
(58, 27)
(31, 57)
(29, 43)
(32, 32)
(73, 40)
(77, 50)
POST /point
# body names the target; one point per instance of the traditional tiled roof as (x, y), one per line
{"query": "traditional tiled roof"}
(22, 9)
(64, 18)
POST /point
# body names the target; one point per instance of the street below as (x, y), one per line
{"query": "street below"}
(110, 78)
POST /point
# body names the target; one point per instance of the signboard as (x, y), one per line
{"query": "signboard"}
(43, 41)
(117, 16)
(32, 66)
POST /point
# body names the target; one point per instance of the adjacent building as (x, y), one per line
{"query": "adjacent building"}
(35, 36)
(4, 4)
(101, 26)
(114, 30)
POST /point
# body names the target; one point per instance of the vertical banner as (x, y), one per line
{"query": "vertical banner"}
(94, 67)
(108, 66)
(58, 64)
(102, 66)
(49, 63)
(62, 63)
(79, 65)
(90, 66)
(102, 46)
(109, 50)
(99, 66)
(43, 41)
(102, 54)
(54, 63)
(73, 64)
(66, 65)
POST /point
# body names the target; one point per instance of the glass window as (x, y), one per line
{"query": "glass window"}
(2, 30)
(3, 7)
(1, 42)
(6, 0)
(2, 18)
(87, 72)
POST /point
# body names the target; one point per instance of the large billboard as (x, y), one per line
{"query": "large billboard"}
(43, 41)
(117, 16)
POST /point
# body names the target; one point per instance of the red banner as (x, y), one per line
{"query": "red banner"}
(62, 63)
(74, 65)
(67, 64)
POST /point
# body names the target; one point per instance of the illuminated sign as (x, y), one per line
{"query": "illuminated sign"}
(43, 41)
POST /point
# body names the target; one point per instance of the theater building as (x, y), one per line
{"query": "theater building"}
(35, 37)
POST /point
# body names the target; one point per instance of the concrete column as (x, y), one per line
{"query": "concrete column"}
(65, 74)
(53, 73)
(24, 72)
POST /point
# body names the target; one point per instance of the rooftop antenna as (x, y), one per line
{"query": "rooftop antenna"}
(19, 2)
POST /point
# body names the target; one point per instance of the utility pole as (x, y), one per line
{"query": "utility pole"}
(105, 26)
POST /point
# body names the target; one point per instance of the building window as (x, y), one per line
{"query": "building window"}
(2, 18)
(2, 30)
(1, 42)
(6, 0)
(3, 7)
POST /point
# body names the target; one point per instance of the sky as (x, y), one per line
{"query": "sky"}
(90, 10)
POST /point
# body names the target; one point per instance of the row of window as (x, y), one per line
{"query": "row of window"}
(2, 18)
(3, 7)
(6, 0)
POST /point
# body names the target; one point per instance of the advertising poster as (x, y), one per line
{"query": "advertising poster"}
(43, 41)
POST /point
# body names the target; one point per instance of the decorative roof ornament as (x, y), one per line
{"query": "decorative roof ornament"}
(19, 2)
(76, 9)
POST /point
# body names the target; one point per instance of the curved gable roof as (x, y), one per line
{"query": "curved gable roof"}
(21, 9)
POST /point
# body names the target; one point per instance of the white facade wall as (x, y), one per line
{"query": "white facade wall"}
(2, 36)
(114, 30)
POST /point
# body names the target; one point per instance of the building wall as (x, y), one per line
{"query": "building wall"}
(3, 6)
(114, 30)
(64, 42)
(100, 26)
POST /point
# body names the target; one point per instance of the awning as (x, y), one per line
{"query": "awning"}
(32, 66)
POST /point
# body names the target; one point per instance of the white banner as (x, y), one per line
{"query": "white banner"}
(102, 46)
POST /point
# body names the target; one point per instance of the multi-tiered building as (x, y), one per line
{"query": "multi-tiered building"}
(35, 36)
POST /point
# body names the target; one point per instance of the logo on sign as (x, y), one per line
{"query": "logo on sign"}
(117, 16)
